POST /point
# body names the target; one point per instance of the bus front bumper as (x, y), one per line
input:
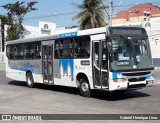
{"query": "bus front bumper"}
(130, 85)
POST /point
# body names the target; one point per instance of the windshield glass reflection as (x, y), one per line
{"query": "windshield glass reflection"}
(130, 53)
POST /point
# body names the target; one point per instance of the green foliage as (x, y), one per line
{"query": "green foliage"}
(12, 34)
(3, 18)
(16, 13)
(91, 14)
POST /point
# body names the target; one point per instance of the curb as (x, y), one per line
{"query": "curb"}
(2, 69)
(156, 68)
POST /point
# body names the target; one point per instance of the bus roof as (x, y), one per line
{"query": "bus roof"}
(62, 35)
(69, 34)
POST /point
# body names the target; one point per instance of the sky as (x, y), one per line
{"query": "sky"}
(61, 12)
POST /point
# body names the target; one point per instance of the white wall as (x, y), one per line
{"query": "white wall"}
(155, 37)
(31, 32)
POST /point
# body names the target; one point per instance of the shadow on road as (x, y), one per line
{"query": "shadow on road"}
(62, 89)
(115, 96)
(97, 94)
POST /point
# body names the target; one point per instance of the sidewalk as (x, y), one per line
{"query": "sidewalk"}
(2, 66)
(157, 75)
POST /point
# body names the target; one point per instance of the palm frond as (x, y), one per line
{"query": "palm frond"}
(91, 14)
(79, 6)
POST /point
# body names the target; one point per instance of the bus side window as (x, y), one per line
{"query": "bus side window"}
(38, 50)
(10, 51)
(16, 51)
(29, 51)
(82, 47)
(20, 49)
(67, 47)
(63, 48)
(56, 49)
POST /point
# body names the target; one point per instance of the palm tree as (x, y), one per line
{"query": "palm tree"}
(91, 15)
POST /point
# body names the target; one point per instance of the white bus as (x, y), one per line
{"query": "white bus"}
(108, 58)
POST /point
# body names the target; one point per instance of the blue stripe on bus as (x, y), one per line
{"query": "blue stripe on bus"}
(144, 76)
(24, 69)
(67, 64)
(116, 74)
(67, 35)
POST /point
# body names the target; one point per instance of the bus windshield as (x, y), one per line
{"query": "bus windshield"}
(130, 53)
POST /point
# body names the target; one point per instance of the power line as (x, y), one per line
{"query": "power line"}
(121, 7)
(70, 13)
(120, 3)
(49, 16)
(105, 9)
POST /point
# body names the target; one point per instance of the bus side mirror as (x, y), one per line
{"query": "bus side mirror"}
(109, 45)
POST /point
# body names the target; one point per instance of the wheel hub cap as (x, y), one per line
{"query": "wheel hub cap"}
(85, 87)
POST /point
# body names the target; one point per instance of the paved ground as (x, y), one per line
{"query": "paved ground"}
(17, 98)
(2, 66)
(157, 75)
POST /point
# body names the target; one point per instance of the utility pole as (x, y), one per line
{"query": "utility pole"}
(54, 14)
(110, 12)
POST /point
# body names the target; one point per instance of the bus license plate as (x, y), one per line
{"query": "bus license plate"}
(150, 82)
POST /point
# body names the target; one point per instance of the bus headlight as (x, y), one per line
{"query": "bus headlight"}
(151, 77)
(150, 81)
(119, 80)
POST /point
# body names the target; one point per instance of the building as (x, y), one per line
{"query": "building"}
(137, 13)
(45, 29)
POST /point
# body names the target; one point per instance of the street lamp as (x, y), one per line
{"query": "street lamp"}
(147, 14)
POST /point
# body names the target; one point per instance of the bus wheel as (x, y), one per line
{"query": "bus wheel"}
(84, 88)
(29, 80)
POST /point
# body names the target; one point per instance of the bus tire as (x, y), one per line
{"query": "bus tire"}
(84, 88)
(29, 80)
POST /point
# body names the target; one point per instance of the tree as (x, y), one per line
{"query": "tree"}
(4, 20)
(16, 13)
(91, 14)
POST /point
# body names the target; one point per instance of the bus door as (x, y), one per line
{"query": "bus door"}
(100, 64)
(47, 64)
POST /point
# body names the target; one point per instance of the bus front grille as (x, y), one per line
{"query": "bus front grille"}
(136, 74)
(136, 79)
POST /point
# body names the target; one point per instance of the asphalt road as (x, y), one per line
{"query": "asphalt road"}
(16, 98)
